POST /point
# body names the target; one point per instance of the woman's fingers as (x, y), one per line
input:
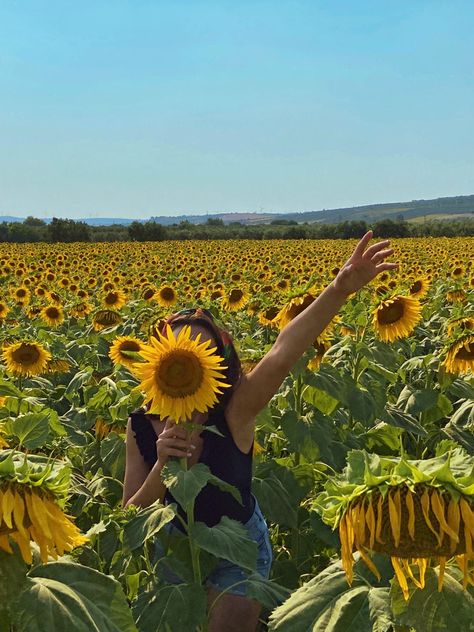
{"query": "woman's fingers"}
(372, 250)
(386, 266)
(379, 256)
(359, 249)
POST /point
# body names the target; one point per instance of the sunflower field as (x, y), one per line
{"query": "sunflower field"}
(363, 461)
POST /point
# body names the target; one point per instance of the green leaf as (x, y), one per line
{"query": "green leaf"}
(185, 485)
(12, 575)
(325, 604)
(432, 611)
(268, 593)
(396, 417)
(320, 399)
(63, 596)
(228, 539)
(173, 608)
(31, 429)
(274, 500)
(421, 400)
(7, 388)
(361, 405)
(380, 610)
(145, 524)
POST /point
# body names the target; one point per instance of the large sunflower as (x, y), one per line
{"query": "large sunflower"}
(396, 317)
(123, 344)
(179, 375)
(26, 358)
(416, 512)
(460, 356)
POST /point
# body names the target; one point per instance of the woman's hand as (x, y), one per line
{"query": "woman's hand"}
(363, 265)
(173, 441)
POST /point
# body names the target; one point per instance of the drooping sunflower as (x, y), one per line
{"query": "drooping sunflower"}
(32, 513)
(80, 310)
(460, 356)
(115, 299)
(166, 296)
(53, 315)
(456, 295)
(463, 323)
(396, 317)
(105, 318)
(321, 345)
(269, 317)
(235, 299)
(125, 344)
(26, 358)
(416, 512)
(179, 375)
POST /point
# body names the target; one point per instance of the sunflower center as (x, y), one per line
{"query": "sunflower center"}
(26, 354)
(129, 345)
(390, 313)
(111, 298)
(466, 354)
(235, 295)
(179, 373)
(167, 294)
(52, 312)
(416, 287)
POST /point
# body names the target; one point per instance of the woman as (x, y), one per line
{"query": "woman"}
(229, 457)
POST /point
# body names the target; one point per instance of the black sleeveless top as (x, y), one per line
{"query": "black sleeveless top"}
(224, 459)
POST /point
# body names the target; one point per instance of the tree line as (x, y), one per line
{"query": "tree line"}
(67, 230)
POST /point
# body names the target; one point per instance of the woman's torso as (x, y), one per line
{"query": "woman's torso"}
(224, 459)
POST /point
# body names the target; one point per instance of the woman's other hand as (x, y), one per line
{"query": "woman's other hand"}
(173, 441)
(363, 265)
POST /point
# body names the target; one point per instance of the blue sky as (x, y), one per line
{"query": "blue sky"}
(140, 108)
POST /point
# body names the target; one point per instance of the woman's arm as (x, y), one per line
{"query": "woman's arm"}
(258, 387)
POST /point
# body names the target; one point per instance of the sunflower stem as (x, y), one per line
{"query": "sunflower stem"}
(192, 546)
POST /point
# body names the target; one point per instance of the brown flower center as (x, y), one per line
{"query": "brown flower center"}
(390, 313)
(179, 374)
(26, 354)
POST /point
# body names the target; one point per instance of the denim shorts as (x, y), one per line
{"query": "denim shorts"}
(226, 574)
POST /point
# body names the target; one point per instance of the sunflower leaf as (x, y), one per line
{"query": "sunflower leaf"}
(229, 540)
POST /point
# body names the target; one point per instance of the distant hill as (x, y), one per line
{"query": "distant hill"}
(439, 209)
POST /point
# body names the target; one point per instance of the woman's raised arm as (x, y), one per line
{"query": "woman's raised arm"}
(258, 387)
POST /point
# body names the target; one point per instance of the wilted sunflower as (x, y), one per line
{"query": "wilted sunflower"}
(463, 323)
(53, 315)
(26, 358)
(105, 318)
(166, 296)
(415, 512)
(102, 428)
(456, 296)
(235, 299)
(396, 317)
(57, 366)
(125, 344)
(460, 356)
(81, 310)
(179, 375)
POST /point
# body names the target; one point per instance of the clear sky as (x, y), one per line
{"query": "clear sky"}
(111, 108)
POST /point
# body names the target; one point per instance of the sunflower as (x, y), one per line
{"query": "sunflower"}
(321, 345)
(53, 315)
(460, 356)
(396, 317)
(419, 287)
(114, 299)
(125, 344)
(30, 514)
(293, 308)
(235, 299)
(462, 323)
(179, 375)
(21, 295)
(166, 296)
(4, 309)
(404, 509)
(26, 358)
(81, 310)
(105, 318)
(456, 296)
(102, 428)
(57, 366)
(269, 317)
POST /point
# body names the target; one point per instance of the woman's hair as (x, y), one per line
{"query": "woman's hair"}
(224, 348)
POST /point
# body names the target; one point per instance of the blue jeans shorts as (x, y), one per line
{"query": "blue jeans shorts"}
(226, 574)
